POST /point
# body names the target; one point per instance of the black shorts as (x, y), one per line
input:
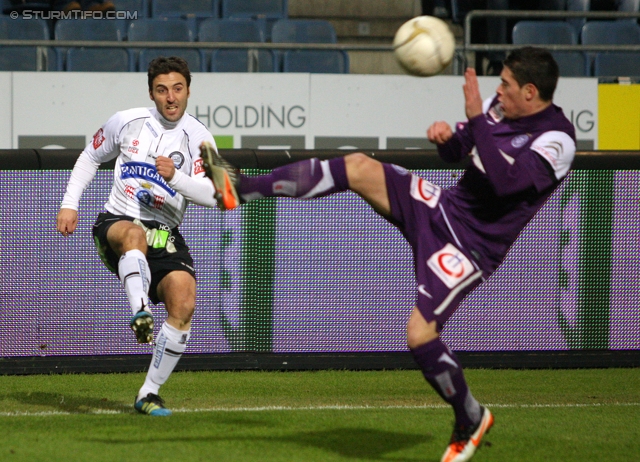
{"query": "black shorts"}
(162, 259)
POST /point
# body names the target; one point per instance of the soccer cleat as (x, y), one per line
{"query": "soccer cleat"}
(464, 442)
(142, 325)
(222, 174)
(151, 405)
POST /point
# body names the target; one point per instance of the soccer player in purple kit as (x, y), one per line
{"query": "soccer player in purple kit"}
(520, 147)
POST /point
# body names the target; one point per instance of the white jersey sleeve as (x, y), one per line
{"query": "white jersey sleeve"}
(192, 184)
(558, 149)
(101, 149)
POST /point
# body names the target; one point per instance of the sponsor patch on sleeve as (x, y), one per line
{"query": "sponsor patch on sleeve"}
(98, 139)
(450, 265)
(557, 148)
(425, 191)
(197, 166)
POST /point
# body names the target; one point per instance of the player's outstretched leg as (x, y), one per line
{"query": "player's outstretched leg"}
(304, 179)
(223, 176)
(465, 441)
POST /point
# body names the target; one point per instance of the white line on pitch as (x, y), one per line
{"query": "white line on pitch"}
(311, 408)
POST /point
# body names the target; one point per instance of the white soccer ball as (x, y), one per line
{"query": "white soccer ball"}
(424, 45)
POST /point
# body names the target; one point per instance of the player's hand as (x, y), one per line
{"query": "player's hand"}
(67, 221)
(439, 132)
(165, 167)
(472, 98)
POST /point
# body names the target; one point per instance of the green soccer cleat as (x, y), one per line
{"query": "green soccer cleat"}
(151, 405)
(142, 326)
(222, 174)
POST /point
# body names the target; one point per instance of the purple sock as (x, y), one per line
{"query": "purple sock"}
(305, 179)
(443, 371)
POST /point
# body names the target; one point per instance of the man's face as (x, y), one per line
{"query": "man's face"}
(170, 93)
(512, 96)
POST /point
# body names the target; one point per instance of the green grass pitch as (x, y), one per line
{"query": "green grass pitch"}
(541, 415)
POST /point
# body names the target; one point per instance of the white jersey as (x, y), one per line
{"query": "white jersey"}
(135, 138)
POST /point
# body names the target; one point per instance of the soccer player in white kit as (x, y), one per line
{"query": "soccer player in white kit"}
(158, 171)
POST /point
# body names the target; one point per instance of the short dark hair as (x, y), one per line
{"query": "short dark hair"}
(163, 65)
(536, 66)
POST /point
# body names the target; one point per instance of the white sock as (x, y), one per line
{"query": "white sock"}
(170, 344)
(135, 275)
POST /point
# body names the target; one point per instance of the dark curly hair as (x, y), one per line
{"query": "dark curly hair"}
(163, 65)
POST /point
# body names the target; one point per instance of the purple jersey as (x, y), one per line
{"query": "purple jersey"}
(515, 166)
(459, 236)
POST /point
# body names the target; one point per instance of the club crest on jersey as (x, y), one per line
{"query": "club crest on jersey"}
(425, 191)
(519, 141)
(98, 139)
(178, 159)
(450, 265)
(144, 171)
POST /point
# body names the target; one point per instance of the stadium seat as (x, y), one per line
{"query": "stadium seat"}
(160, 30)
(571, 64)
(309, 31)
(135, 9)
(632, 6)
(79, 29)
(19, 6)
(230, 30)
(612, 64)
(316, 61)
(610, 33)
(270, 9)
(303, 31)
(184, 8)
(192, 56)
(265, 12)
(235, 60)
(616, 64)
(163, 30)
(242, 60)
(578, 5)
(544, 33)
(193, 11)
(25, 58)
(97, 60)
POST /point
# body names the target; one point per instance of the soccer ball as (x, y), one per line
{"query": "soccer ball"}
(424, 45)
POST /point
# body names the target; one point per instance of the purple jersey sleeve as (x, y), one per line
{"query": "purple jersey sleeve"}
(508, 177)
(459, 146)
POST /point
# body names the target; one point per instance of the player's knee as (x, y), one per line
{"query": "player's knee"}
(419, 331)
(134, 236)
(359, 167)
(181, 312)
(357, 161)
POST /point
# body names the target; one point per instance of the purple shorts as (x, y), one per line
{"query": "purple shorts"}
(445, 270)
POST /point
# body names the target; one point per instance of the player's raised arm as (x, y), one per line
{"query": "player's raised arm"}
(472, 98)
